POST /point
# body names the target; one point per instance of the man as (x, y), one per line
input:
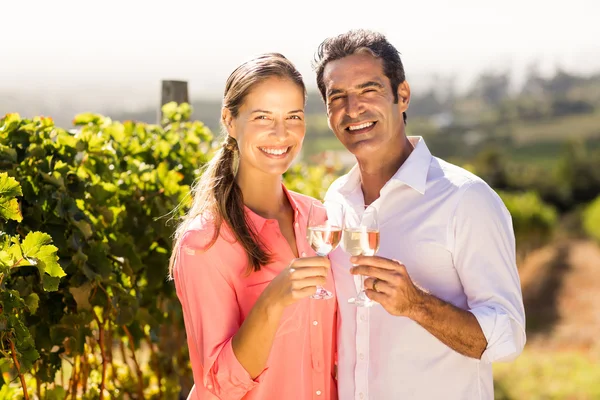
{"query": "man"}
(445, 279)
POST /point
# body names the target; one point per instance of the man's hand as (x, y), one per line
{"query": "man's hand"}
(389, 284)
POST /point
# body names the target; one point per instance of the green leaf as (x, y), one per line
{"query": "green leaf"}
(6, 261)
(9, 206)
(8, 154)
(84, 227)
(32, 302)
(10, 122)
(50, 283)
(87, 118)
(29, 355)
(36, 247)
(11, 301)
(10, 210)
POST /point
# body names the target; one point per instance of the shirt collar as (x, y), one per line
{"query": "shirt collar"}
(413, 172)
(259, 222)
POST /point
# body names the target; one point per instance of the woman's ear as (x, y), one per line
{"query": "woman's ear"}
(227, 121)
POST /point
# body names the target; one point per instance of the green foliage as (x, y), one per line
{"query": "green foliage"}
(591, 219)
(84, 254)
(534, 221)
(311, 181)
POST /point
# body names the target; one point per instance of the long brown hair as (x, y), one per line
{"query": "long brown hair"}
(216, 192)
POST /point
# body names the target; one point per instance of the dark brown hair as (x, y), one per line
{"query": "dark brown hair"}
(355, 42)
(216, 193)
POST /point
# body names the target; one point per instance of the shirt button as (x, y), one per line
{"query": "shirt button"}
(303, 254)
(361, 395)
(318, 392)
(361, 356)
(209, 387)
(315, 323)
(296, 224)
(363, 317)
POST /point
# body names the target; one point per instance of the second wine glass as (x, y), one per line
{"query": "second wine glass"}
(361, 237)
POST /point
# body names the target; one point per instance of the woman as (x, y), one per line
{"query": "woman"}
(242, 267)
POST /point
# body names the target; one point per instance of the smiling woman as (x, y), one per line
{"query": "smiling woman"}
(252, 330)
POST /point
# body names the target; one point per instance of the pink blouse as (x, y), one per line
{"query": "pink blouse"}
(217, 293)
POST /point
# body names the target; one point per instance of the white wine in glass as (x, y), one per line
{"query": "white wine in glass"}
(323, 234)
(362, 239)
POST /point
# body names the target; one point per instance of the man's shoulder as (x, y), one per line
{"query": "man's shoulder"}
(472, 191)
(454, 175)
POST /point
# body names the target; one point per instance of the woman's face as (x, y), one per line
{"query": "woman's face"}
(269, 127)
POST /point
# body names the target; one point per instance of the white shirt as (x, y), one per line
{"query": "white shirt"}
(455, 237)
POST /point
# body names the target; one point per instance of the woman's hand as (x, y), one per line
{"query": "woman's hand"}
(297, 281)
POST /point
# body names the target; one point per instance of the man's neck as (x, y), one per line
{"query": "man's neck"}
(377, 171)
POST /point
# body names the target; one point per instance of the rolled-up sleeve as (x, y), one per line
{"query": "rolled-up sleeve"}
(212, 317)
(483, 245)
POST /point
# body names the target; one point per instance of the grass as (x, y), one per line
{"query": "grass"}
(542, 375)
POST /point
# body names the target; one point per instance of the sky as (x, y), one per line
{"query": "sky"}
(114, 49)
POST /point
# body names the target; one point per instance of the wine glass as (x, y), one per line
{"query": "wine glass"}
(324, 232)
(361, 237)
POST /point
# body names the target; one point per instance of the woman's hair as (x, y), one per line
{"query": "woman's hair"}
(216, 194)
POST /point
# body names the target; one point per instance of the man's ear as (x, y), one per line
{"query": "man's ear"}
(403, 96)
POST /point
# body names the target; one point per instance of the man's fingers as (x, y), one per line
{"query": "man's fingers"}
(376, 296)
(375, 272)
(381, 286)
(379, 262)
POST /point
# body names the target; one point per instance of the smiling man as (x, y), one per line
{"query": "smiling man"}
(445, 286)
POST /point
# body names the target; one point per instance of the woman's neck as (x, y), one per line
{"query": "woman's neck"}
(263, 194)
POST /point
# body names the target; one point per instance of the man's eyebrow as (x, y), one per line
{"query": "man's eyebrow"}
(331, 92)
(370, 84)
(364, 85)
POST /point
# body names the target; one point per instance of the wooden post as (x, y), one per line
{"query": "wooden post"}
(176, 91)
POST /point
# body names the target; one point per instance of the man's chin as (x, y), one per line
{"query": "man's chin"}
(364, 148)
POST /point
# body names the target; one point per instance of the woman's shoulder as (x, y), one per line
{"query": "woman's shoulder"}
(204, 232)
(214, 244)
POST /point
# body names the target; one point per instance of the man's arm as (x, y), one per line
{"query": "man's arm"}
(482, 243)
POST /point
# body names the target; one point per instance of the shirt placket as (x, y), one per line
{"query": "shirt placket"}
(316, 347)
(361, 371)
(316, 339)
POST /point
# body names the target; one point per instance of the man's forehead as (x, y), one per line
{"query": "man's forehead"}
(347, 72)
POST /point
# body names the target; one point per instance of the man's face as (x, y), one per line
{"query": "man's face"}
(360, 105)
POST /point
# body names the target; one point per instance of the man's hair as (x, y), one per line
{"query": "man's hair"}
(357, 42)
